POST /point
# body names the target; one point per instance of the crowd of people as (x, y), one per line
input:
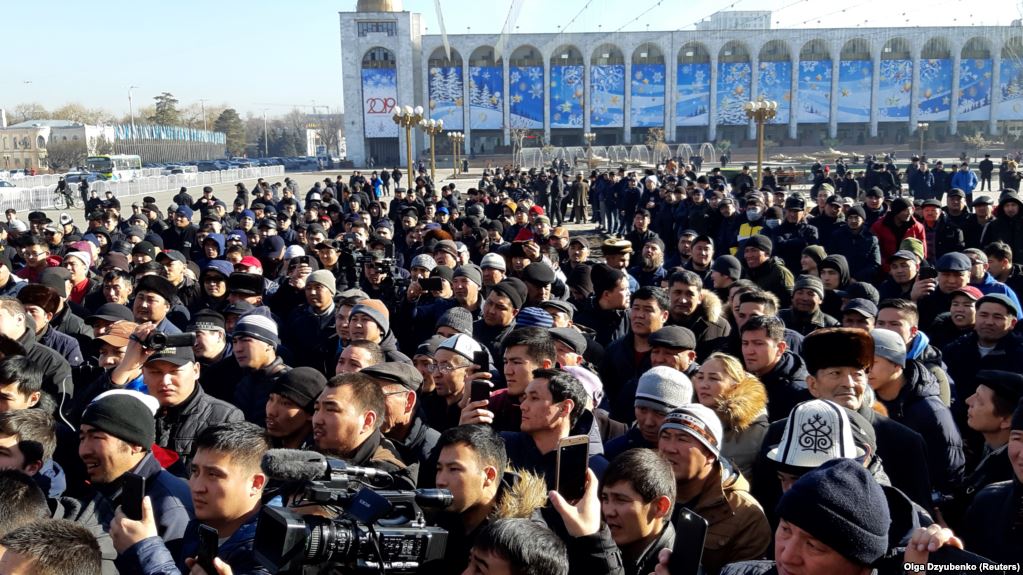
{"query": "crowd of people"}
(830, 382)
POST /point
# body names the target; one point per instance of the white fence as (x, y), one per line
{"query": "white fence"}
(41, 196)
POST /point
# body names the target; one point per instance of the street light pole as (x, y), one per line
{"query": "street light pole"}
(202, 103)
(456, 139)
(922, 128)
(761, 111)
(432, 127)
(266, 137)
(131, 111)
(408, 117)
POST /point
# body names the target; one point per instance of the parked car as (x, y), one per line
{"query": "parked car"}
(77, 177)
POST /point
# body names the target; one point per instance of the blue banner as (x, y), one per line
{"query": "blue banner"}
(379, 97)
(446, 96)
(692, 99)
(123, 132)
(486, 97)
(895, 90)
(934, 101)
(775, 83)
(525, 88)
(974, 90)
(567, 93)
(733, 92)
(648, 95)
(1010, 83)
(607, 96)
(854, 77)
(814, 92)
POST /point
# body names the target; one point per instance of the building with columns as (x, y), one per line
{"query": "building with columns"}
(854, 85)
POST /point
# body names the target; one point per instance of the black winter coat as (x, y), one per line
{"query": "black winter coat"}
(992, 526)
(253, 390)
(177, 427)
(786, 386)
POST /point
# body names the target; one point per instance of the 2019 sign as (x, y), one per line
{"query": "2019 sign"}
(380, 105)
(379, 98)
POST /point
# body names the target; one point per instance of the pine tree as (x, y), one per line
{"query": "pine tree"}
(454, 83)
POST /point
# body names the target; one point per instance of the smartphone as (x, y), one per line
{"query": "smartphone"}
(209, 544)
(431, 284)
(690, 537)
(482, 360)
(132, 493)
(303, 260)
(928, 273)
(573, 459)
(479, 391)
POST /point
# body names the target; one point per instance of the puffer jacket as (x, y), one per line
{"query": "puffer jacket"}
(786, 386)
(860, 249)
(1008, 230)
(790, 240)
(920, 349)
(521, 495)
(253, 389)
(151, 556)
(992, 526)
(738, 529)
(72, 509)
(707, 324)
(742, 409)
(918, 406)
(56, 372)
(889, 237)
(177, 427)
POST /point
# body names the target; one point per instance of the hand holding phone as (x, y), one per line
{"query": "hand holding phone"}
(690, 537)
(481, 359)
(572, 462)
(209, 544)
(132, 494)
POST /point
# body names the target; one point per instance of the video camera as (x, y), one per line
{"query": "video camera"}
(381, 531)
(157, 340)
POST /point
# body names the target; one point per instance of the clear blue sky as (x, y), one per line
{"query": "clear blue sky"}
(277, 54)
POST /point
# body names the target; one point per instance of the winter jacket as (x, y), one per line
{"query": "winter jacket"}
(379, 453)
(253, 390)
(72, 509)
(620, 366)
(177, 427)
(742, 409)
(992, 527)
(919, 348)
(918, 406)
(785, 385)
(790, 240)
(1008, 230)
(995, 467)
(738, 529)
(965, 181)
(417, 450)
(805, 324)
(902, 452)
(974, 232)
(521, 495)
(63, 344)
(773, 276)
(989, 285)
(523, 453)
(944, 237)
(921, 184)
(56, 372)
(608, 324)
(632, 439)
(964, 361)
(151, 557)
(308, 335)
(707, 324)
(170, 497)
(861, 250)
(889, 236)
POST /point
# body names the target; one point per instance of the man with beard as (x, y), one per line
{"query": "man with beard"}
(698, 311)
(651, 272)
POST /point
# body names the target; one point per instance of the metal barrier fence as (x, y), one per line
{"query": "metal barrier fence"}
(41, 197)
(51, 179)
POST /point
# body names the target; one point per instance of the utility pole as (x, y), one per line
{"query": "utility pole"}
(131, 111)
(266, 137)
(202, 102)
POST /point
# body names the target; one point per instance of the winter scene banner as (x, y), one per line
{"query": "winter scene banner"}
(486, 98)
(607, 96)
(775, 83)
(895, 90)
(1010, 83)
(975, 90)
(733, 92)
(446, 96)
(526, 92)
(567, 93)
(692, 101)
(647, 95)
(379, 97)
(934, 101)
(814, 103)
(854, 77)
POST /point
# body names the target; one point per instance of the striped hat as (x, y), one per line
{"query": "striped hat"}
(663, 389)
(257, 324)
(699, 421)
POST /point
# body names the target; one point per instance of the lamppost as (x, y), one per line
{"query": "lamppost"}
(589, 137)
(131, 111)
(408, 118)
(761, 111)
(456, 139)
(922, 128)
(432, 127)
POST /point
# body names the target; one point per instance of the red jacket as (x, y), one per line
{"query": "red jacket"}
(887, 241)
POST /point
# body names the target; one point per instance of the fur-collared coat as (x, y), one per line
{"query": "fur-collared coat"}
(742, 409)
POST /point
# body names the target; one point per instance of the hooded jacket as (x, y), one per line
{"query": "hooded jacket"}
(742, 409)
(918, 406)
(920, 349)
(889, 236)
(774, 277)
(861, 250)
(785, 385)
(1006, 229)
(707, 324)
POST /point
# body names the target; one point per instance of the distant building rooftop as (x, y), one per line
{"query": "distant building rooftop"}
(46, 123)
(737, 20)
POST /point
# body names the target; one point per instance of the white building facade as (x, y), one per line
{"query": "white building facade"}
(850, 85)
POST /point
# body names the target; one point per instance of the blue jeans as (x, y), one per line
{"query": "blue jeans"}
(608, 216)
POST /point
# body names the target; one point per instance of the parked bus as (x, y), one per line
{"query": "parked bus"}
(114, 167)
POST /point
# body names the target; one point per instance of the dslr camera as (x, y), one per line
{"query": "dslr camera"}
(157, 340)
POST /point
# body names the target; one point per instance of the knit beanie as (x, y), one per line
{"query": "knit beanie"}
(127, 415)
(812, 283)
(900, 205)
(458, 319)
(663, 389)
(1017, 418)
(84, 257)
(580, 278)
(728, 266)
(257, 324)
(815, 253)
(842, 505)
(424, 261)
(514, 289)
(376, 310)
(761, 242)
(889, 345)
(301, 385)
(325, 279)
(604, 278)
(494, 261)
(533, 317)
(699, 421)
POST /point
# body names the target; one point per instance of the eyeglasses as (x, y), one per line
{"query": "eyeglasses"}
(448, 368)
(399, 392)
(429, 366)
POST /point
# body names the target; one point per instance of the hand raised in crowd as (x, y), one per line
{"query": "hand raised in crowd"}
(532, 250)
(923, 288)
(126, 532)
(475, 411)
(581, 517)
(298, 276)
(134, 355)
(926, 540)
(218, 563)
(414, 291)
(663, 558)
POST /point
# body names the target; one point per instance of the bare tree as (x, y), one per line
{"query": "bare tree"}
(28, 111)
(331, 126)
(62, 156)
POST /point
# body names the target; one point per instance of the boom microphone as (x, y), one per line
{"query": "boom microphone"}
(299, 465)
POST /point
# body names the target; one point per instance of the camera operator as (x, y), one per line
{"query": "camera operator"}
(380, 279)
(473, 466)
(347, 421)
(171, 375)
(226, 485)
